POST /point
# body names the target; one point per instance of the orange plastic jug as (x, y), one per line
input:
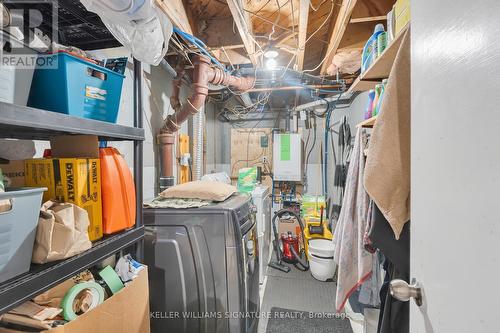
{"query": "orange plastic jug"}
(118, 192)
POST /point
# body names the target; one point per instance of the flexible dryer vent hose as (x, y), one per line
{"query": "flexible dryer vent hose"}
(198, 131)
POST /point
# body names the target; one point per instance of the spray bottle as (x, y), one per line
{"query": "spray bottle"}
(369, 107)
(376, 100)
(381, 96)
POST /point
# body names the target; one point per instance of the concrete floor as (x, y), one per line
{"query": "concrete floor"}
(296, 290)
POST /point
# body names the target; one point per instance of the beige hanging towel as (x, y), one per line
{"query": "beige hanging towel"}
(387, 171)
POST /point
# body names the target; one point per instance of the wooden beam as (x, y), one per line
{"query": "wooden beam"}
(368, 123)
(341, 23)
(369, 19)
(176, 12)
(228, 47)
(216, 33)
(303, 19)
(284, 37)
(231, 56)
(214, 49)
(244, 25)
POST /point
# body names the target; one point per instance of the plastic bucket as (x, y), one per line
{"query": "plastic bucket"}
(321, 269)
(320, 257)
(321, 247)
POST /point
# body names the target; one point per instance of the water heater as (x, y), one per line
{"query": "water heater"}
(287, 157)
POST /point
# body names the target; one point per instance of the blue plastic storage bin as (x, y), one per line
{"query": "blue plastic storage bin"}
(77, 87)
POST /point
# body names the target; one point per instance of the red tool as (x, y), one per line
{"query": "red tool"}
(290, 241)
(286, 246)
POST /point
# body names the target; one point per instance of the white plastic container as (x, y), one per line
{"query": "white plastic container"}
(18, 230)
(320, 257)
(321, 247)
(262, 200)
(15, 82)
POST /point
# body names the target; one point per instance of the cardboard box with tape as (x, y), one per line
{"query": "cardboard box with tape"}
(127, 311)
(74, 180)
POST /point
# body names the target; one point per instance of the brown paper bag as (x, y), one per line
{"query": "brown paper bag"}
(54, 296)
(61, 233)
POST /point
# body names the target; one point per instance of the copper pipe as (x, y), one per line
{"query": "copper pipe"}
(282, 88)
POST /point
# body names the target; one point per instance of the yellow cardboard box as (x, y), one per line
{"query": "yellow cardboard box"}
(401, 15)
(75, 180)
(400, 6)
(402, 20)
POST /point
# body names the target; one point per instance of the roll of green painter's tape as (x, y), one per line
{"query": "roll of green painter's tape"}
(112, 280)
(95, 294)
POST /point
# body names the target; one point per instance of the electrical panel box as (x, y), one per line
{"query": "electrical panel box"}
(287, 157)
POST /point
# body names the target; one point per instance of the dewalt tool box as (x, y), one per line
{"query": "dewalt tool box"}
(75, 180)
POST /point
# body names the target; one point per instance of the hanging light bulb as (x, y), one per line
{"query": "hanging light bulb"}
(271, 53)
(271, 63)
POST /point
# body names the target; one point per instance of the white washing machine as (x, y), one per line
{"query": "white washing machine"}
(261, 197)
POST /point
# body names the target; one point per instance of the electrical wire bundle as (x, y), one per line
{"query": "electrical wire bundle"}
(241, 111)
(200, 45)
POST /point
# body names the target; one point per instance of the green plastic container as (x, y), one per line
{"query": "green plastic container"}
(247, 180)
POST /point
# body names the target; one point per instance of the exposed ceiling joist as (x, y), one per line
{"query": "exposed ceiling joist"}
(228, 47)
(284, 38)
(369, 19)
(176, 12)
(341, 23)
(230, 56)
(244, 25)
(303, 20)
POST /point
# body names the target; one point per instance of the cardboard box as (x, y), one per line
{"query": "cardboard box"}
(73, 146)
(14, 170)
(288, 225)
(402, 20)
(400, 6)
(75, 180)
(125, 312)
